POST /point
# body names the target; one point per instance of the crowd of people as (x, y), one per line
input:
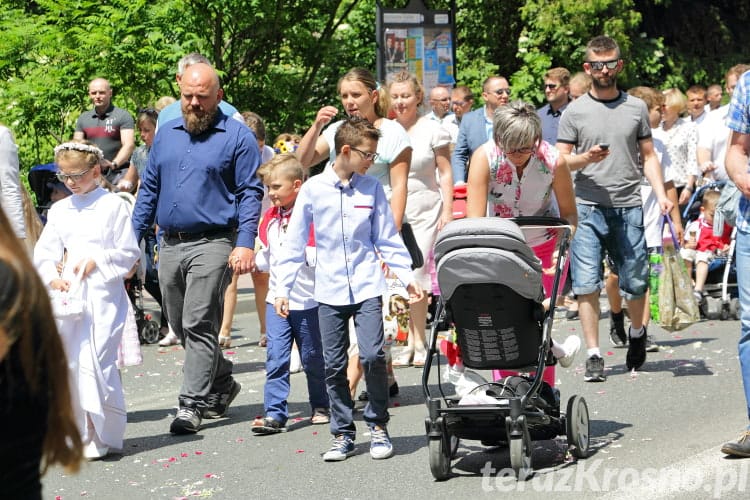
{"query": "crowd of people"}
(611, 163)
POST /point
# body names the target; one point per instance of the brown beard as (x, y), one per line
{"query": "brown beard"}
(195, 124)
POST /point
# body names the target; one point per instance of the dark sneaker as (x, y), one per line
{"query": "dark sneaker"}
(636, 351)
(380, 443)
(187, 421)
(651, 345)
(617, 334)
(739, 447)
(218, 403)
(594, 370)
(341, 449)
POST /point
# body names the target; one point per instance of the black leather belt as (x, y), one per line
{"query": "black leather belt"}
(189, 236)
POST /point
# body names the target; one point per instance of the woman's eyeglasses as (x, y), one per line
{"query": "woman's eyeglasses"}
(599, 65)
(520, 151)
(367, 156)
(73, 177)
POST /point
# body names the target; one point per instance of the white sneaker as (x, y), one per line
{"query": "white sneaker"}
(169, 339)
(295, 362)
(571, 346)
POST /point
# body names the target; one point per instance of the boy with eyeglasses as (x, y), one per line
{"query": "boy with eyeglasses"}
(354, 230)
(556, 90)
(611, 134)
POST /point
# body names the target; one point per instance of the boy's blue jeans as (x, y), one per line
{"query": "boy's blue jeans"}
(300, 327)
(368, 322)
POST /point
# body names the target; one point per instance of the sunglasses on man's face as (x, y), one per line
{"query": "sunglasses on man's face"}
(599, 65)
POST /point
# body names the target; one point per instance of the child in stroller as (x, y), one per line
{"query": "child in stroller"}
(708, 256)
(491, 290)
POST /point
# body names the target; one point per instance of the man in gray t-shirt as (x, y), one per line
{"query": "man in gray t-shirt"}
(611, 131)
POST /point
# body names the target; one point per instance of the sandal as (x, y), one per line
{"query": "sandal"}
(225, 341)
(403, 360)
(320, 416)
(267, 425)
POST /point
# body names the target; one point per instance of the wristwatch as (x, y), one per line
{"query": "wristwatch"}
(114, 165)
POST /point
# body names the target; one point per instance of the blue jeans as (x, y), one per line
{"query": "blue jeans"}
(743, 284)
(301, 327)
(620, 232)
(193, 276)
(368, 322)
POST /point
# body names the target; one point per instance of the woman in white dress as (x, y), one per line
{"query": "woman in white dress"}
(429, 203)
(91, 233)
(362, 96)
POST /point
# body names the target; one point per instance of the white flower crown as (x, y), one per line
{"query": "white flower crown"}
(77, 146)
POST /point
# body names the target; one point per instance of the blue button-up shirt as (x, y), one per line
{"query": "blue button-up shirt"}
(353, 223)
(201, 183)
(738, 119)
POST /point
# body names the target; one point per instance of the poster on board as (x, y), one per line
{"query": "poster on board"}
(419, 41)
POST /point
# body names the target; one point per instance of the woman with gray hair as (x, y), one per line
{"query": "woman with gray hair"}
(515, 174)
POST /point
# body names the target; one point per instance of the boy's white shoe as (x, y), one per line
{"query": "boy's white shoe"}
(571, 346)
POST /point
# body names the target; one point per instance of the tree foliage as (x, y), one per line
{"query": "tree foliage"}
(282, 58)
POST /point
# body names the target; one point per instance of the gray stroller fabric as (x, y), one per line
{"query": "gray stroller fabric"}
(487, 250)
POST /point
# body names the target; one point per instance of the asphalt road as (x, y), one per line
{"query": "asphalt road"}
(656, 434)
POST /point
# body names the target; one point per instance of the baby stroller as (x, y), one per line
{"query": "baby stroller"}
(148, 329)
(42, 178)
(491, 291)
(720, 300)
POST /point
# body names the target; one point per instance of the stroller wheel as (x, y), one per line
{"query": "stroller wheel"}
(520, 452)
(442, 450)
(577, 426)
(440, 461)
(734, 308)
(150, 332)
(713, 308)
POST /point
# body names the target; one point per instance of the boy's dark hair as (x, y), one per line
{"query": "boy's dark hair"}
(353, 131)
(256, 124)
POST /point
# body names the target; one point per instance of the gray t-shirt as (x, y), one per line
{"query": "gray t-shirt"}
(622, 122)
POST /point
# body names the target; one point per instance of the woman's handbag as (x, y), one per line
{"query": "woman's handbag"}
(407, 234)
(673, 305)
(69, 305)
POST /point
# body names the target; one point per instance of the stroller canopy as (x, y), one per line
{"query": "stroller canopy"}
(487, 250)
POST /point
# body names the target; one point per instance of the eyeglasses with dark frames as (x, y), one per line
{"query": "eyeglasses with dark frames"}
(499, 92)
(73, 177)
(550, 86)
(366, 155)
(599, 65)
